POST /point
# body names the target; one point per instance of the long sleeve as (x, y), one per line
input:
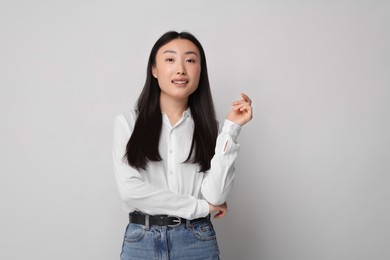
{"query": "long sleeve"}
(218, 181)
(137, 193)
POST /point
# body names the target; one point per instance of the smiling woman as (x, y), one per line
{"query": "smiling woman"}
(177, 71)
(171, 165)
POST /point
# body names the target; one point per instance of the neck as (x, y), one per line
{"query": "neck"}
(173, 108)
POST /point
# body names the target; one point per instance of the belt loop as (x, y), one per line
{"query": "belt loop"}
(147, 222)
(188, 224)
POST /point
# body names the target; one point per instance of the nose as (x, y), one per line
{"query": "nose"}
(181, 69)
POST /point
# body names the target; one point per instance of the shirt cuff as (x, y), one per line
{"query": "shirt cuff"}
(232, 128)
(204, 208)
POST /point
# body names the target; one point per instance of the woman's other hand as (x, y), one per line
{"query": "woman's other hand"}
(242, 111)
(220, 209)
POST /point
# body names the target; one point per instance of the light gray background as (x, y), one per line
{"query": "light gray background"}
(313, 172)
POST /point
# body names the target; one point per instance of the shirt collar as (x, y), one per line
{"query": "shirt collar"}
(187, 112)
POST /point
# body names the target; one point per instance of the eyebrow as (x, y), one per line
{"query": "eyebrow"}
(187, 52)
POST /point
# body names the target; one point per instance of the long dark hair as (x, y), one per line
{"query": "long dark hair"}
(144, 141)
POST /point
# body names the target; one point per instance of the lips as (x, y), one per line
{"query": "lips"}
(180, 81)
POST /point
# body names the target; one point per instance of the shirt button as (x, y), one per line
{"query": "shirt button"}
(171, 172)
(170, 151)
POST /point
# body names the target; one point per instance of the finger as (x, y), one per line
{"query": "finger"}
(246, 108)
(220, 214)
(241, 105)
(246, 98)
(240, 102)
(237, 107)
(237, 102)
(242, 108)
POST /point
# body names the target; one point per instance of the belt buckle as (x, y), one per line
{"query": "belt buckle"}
(178, 221)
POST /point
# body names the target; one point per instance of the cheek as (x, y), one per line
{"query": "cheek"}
(163, 75)
(196, 72)
(161, 69)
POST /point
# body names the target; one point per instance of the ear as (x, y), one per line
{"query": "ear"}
(154, 71)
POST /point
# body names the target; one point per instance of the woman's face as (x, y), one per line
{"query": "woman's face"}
(177, 69)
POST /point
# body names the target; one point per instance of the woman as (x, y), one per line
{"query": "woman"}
(171, 166)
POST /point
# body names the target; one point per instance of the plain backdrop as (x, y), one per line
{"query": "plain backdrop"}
(313, 172)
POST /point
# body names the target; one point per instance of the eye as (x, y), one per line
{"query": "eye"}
(169, 59)
(190, 60)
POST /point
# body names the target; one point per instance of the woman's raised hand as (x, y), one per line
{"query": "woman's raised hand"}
(242, 110)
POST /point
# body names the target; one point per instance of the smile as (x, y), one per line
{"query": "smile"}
(180, 81)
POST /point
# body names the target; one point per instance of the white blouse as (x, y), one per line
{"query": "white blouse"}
(170, 186)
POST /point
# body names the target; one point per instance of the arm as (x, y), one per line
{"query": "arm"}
(140, 194)
(218, 182)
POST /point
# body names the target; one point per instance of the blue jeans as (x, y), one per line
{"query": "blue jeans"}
(189, 241)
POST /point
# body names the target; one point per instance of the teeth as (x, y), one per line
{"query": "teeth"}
(179, 82)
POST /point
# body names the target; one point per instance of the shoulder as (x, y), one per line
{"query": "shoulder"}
(125, 120)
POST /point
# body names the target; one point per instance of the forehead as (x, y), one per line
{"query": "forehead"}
(178, 46)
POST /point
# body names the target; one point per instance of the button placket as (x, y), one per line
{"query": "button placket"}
(171, 162)
(172, 180)
(169, 157)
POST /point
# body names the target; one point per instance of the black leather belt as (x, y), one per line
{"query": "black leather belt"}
(161, 220)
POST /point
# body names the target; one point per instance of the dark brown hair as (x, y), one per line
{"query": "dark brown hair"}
(144, 141)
